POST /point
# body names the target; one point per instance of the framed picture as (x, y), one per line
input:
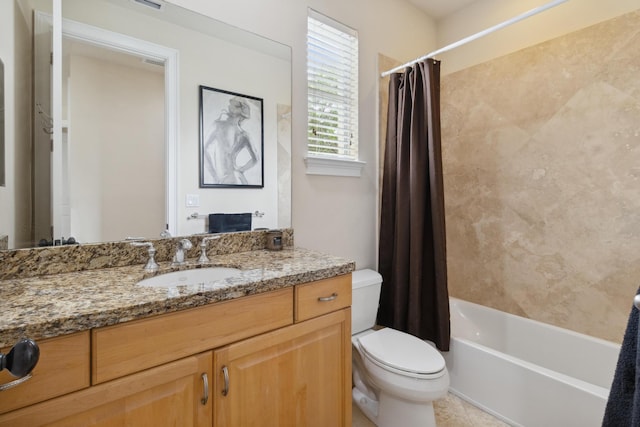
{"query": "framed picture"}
(231, 139)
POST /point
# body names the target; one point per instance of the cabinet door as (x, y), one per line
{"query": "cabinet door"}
(169, 395)
(296, 376)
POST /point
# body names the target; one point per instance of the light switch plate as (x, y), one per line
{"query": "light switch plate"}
(193, 200)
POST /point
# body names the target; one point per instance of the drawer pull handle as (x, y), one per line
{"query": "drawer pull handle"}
(14, 383)
(225, 373)
(205, 383)
(329, 298)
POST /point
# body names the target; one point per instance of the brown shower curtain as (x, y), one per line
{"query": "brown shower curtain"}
(412, 251)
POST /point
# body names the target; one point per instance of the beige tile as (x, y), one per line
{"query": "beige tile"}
(541, 150)
(450, 412)
(455, 412)
(359, 419)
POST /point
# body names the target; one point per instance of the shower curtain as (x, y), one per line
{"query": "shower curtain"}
(412, 248)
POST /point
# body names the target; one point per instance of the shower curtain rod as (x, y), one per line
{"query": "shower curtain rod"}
(478, 35)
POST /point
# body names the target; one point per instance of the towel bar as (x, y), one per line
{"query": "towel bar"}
(196, 215)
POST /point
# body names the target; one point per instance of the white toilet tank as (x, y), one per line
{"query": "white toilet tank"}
(365, 285)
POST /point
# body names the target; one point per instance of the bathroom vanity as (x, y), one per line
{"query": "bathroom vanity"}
(270, 347)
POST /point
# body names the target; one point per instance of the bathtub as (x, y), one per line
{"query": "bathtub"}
(525, 372)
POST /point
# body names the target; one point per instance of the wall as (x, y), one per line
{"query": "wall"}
(541, 149)
(2, 161)
(15, 51)
(565, 18)
(247, 72)
(334, 214)
(6, 53)
(107, 103)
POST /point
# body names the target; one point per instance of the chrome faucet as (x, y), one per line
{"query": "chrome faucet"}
(203, 249)
(183, 244)
(151, 265)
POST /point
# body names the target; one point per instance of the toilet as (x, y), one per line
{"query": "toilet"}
(396, 376)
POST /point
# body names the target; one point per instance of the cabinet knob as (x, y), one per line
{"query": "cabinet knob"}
(20, 361)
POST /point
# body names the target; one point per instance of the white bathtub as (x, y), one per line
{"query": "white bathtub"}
(525, 372)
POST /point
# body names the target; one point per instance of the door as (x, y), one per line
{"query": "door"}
(296, 376)
(42, 128)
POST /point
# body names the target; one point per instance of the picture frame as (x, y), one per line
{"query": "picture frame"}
(231, 139)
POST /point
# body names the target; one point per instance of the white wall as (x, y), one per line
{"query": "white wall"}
(563, 19)
(6, 54)
(15, 196)
(334, 214)
(221, 65)
(115, 109)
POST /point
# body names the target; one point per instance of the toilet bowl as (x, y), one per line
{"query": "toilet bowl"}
(396, 376)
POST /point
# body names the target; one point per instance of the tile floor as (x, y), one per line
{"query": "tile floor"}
(450, 412)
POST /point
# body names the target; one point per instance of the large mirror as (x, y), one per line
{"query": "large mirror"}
(125, 161)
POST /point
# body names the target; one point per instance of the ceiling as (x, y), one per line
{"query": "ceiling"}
(441, 8)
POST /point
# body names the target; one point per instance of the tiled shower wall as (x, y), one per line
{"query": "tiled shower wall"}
(541, 156)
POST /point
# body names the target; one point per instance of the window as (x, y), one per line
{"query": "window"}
(332, 84)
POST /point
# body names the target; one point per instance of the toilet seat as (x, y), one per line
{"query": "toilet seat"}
(402, 353)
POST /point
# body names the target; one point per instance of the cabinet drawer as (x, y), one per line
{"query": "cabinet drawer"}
(314, 299)
(63, 367)
(131, 347)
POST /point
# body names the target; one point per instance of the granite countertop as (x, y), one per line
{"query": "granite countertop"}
(48, 306)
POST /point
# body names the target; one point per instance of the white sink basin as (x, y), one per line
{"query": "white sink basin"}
(190, 277)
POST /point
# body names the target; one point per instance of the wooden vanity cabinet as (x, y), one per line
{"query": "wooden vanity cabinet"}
(169, 395)
(299, 375)
(130, 347)
(279, 366)
(294, 376)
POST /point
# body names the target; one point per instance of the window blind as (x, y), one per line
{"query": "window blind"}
(332, 83)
